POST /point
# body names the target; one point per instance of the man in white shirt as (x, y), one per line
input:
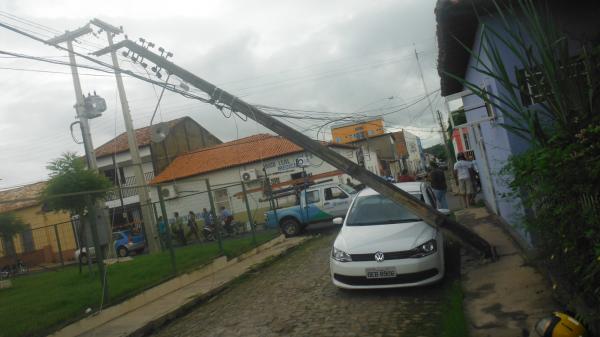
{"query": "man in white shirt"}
(463, 177)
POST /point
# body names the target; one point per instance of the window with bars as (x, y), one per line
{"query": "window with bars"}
(532, 87)
(533, 84)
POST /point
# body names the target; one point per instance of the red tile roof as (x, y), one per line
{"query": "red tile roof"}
(242, 151)
(120, 144)
(26, 196)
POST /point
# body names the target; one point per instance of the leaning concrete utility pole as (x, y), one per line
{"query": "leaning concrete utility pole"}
(222, 98)
(143, 193)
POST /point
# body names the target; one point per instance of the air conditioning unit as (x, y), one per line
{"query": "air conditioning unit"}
(168, 192)
(302, 162)
(248, 175)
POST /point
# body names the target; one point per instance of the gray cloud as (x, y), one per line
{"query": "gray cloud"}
(332, 56)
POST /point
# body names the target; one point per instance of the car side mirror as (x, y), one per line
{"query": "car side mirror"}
(444, 211)
(338, 221)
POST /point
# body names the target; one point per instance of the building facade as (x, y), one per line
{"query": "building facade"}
(47, 230)
(460, 23)
(351, 132)
(249, 161)
(114, 160)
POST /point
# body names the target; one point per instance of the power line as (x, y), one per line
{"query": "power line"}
(50, 71)
(106, 65)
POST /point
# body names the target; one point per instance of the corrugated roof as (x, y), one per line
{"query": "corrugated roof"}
(239, 152)
(120, 144)
(32, 191)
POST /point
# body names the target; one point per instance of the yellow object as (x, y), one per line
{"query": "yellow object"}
(559, 325)
(348, 133)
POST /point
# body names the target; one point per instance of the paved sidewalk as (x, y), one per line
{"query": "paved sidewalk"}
(149, 312)
(506, 297)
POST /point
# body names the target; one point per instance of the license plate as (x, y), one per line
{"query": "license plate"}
(386, 272)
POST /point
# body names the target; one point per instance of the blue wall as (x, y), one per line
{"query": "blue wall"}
(496, 144)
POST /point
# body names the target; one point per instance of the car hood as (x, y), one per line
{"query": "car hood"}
(384, 238)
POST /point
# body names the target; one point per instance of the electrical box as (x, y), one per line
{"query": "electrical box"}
(84, 229)
(93, 106)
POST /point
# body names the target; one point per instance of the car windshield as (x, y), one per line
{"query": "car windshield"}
(378, 210)
(347, 189)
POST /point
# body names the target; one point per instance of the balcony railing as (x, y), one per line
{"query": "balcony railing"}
(128, 188)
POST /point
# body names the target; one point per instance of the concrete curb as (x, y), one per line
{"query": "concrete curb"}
(90, 323)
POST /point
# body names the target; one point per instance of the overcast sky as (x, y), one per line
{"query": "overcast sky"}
(340, 56)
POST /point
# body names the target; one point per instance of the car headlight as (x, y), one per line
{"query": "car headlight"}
(425, 249)
(340, 255)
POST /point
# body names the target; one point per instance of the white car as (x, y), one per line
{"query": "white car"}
(383, 245)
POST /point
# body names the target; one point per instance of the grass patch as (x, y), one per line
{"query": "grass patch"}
(454, 322)
(38, 304)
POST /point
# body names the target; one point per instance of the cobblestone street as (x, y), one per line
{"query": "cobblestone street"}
(294, 297)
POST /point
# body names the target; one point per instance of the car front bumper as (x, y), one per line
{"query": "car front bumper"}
(410, 272)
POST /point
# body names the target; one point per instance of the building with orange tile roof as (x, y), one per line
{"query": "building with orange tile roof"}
(247, 159)
(114, 160)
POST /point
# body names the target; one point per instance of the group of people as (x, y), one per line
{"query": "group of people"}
(210, 220)
(465, 175)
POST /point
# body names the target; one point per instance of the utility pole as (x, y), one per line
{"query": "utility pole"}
(143, 193)
(426, 91)
(68, 37)
(84, 113)
(446, 146)
(218, 96)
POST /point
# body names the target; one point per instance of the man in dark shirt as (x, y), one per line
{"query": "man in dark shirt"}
(437, 179)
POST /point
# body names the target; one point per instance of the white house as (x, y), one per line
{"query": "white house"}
(249, 160)
(114, 161)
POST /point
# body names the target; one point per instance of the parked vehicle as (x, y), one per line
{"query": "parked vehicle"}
(15, 269)
(124, 242)
(233, 229)
(317, 203)
(384, 245)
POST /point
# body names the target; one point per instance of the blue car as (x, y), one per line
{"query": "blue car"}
(124, 243)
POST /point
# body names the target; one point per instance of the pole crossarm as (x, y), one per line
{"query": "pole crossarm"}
(222, 98)
(70, 35)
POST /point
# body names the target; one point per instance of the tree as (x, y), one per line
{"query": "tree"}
(438, 150)
(68, 174)
(10, 225)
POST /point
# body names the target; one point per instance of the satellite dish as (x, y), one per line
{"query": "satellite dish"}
(159, 132)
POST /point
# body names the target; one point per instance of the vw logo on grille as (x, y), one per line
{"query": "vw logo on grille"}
(379, 257)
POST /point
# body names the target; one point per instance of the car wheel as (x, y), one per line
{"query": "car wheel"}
(83, 259)
(290, 227)
(122, 252)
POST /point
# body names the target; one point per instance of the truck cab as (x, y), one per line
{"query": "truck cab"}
(317, 203)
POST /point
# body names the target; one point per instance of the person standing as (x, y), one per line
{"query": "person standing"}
(209, 228)
(162, 232)
(462, 172)
(437, 180)
(179, 228)
(193, 225)
(227, 219)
